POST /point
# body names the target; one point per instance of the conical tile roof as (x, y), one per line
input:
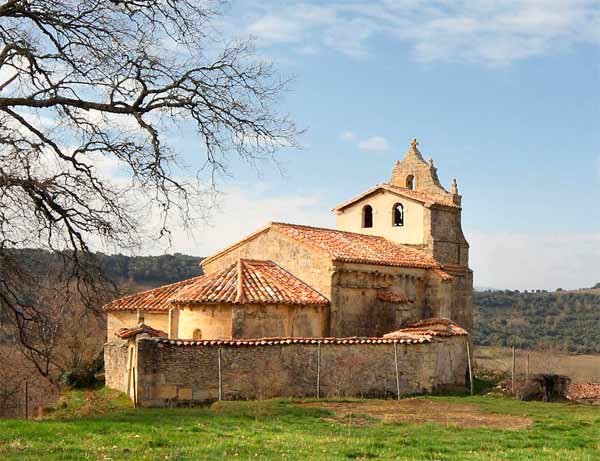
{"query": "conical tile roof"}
(250, 281)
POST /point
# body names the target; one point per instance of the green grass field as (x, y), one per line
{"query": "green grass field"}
(101, 426)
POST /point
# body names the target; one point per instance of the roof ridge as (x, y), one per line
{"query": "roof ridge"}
(328, 229)
(240, 281)
(433, 198)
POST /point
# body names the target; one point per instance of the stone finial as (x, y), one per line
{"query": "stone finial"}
(414, 143)
(454, 187)
(431, 162)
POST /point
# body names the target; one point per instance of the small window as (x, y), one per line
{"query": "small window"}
(398, 215)
(410, 182)
(367, 216)
(197, 334)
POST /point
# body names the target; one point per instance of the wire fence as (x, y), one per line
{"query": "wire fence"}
(520, 371)
(518, 366)
(514, 366)
(26, 401)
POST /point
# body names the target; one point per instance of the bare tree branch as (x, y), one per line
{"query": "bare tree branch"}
(89, 81)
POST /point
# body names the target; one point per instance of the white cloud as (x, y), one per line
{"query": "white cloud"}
(291, 24)
(308, 50)
(532, 261)
(471, 30)
(371, 144)
(347, 136)
(374, 144)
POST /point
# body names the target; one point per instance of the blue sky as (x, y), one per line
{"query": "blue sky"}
(506, 99)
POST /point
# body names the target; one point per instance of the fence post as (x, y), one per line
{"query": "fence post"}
(527, 368)
(26, 400)
(134, 381)
(397, 373)
(514, 371)
(469, 360)
(318, 370)
(220, 378)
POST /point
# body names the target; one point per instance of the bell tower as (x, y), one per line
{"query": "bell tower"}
(443, 237)
(416, 174)
(414, 209)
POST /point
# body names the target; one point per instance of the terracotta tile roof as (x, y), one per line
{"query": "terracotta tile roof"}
(250, 282)
(445, 276)
(125, 333)
(352, 247)
(588, 391)
(406, 339)
(387, 296)
(156, 299)
(425, 197)
(455, 269)
(420, 196)
(432, 327)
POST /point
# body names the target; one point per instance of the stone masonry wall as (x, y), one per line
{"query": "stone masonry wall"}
(115, 364)
(170, 374)
(425, 174)
(355, 310)
(128, 319)
(446, 241)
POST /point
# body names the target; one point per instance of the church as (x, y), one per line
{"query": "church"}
(397, 257)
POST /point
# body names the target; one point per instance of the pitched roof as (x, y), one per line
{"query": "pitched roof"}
(352, 247)
(125, 333)
(420, 196)
(156, 299)
(250, 282)
(433, 327)
(388, 296)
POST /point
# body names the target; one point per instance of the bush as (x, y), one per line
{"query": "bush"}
(83, 375)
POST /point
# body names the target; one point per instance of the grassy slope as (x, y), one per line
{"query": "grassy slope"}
(278, 429)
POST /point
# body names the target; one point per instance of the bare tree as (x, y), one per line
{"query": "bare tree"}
(84, 83)
(64, 336)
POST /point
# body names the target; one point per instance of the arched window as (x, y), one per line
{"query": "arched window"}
(410, 182)
(367, 216)
(398, 215)
(197, 334)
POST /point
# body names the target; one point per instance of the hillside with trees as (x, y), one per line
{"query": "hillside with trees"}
(565, 320)
(121, 269)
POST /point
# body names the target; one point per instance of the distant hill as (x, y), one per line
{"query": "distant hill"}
(568, 320)
(138, 270)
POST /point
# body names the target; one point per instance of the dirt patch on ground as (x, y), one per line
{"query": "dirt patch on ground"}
(421, 411)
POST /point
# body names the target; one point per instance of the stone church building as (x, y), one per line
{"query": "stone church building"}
(397, 261)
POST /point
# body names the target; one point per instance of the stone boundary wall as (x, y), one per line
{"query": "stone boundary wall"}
(170, 374)
(116, 367)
